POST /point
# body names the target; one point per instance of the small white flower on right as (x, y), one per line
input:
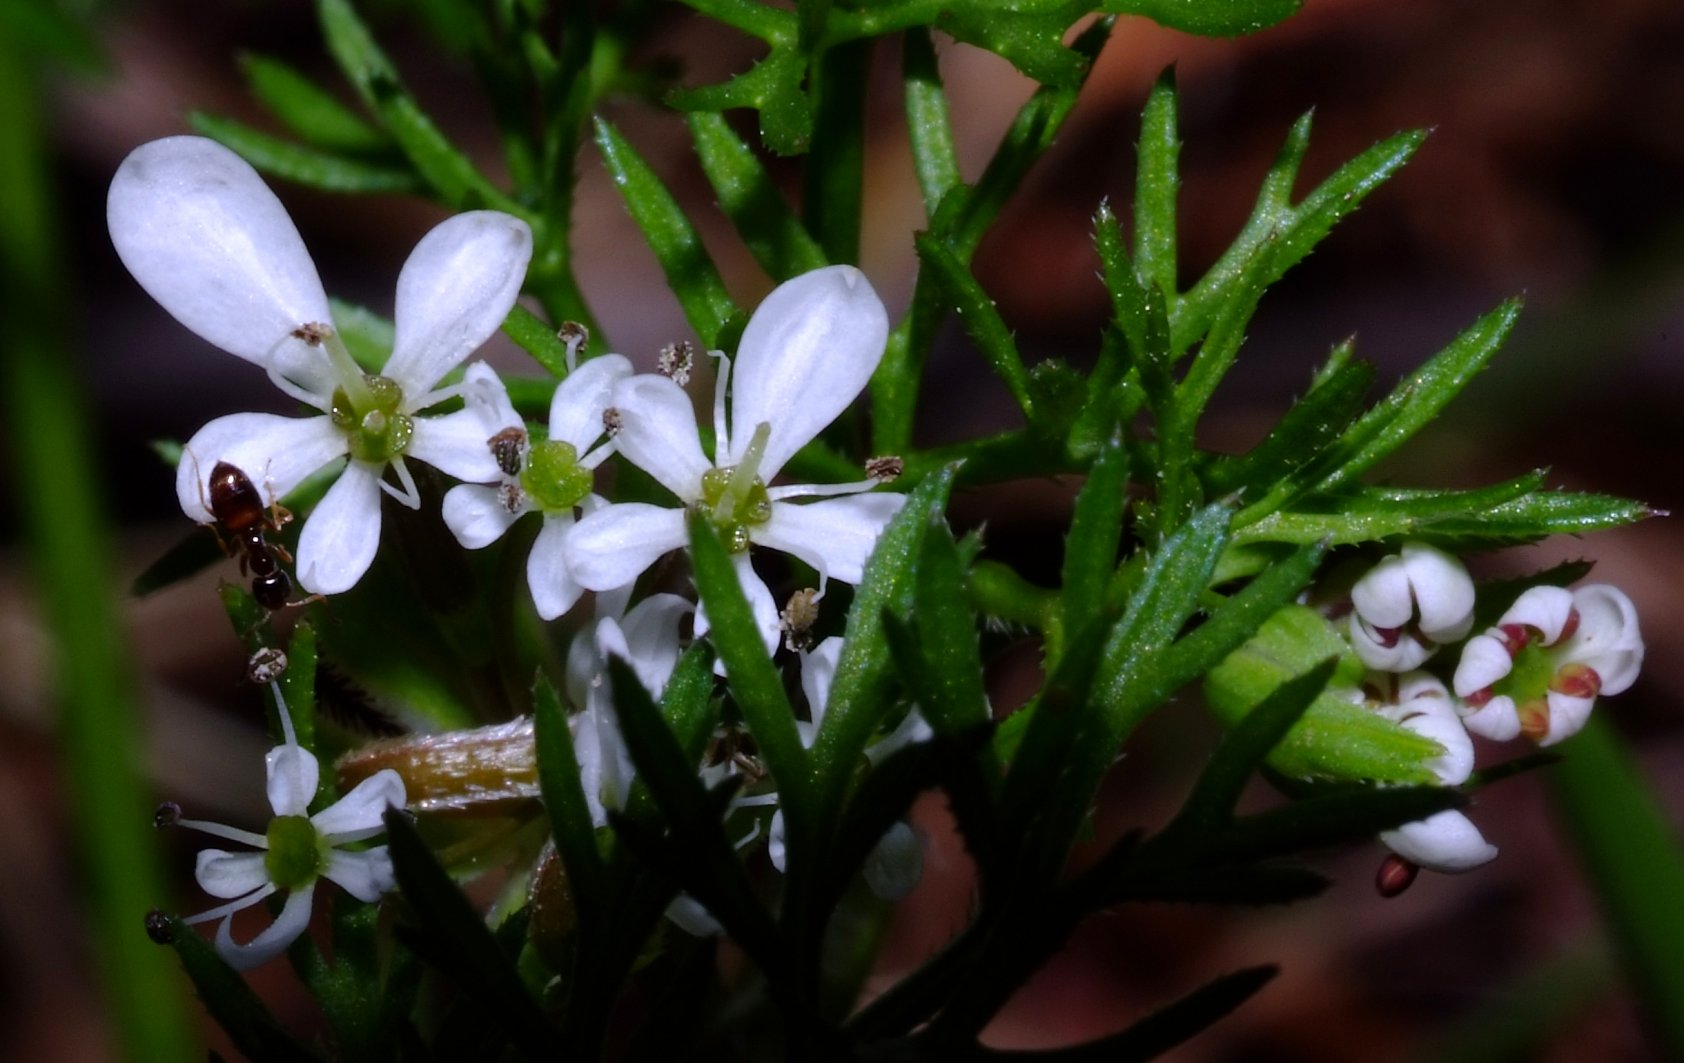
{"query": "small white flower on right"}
(1408, 605)
(1539, 671)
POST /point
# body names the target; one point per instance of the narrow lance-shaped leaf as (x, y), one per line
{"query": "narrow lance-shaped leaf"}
(928, 128)
(303, 165)
(981, 319)
(564, 801)
(308, 109)
(1156, 183)
(1229, 19)
(1095, 537)
(231, 1002)
(948, 637)
(768, 227)
(536, 337)
(689, 270)
(1311, 424)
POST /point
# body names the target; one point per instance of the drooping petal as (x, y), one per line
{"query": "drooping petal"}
(224, 874)
(651, 644)
(456, 445)
(834, 535)
(454, 292)
(206, 238)
(484, 393)
(614, 545)
(1498, 720)
(293, 921)
(1608, 638)
(1544, 608)
(339, 539)
(818, 671)
(1447, 841)
(476, 515)
(1568, 715)
(293, 775)
(367, 875)
(1444, 592)
(276, 454)
(760, 603)
(1383, 596)
(1435, 719)
(577, 405)
(1485, 659)
(807, 352)
(658, 433)
(895, 863)
(688, 915)
(357, 815)
(775, 840)
(554, 590)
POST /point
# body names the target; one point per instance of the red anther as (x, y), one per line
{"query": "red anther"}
(1576, 680)
(1395, 875)
(1516, 636)
(1479, 698)
(1535, 719)
(1387, 636)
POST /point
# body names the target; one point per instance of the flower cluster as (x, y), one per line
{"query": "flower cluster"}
(1536, 672)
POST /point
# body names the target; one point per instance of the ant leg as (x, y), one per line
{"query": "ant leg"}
(213, 524)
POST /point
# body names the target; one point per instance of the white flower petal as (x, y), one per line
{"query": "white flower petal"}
(895, 863)
(1544, 608)
(688, 915)
(276, 454)
(1424, 717)
(1618, 671)
(1447, 841)
(1485, 659)
(475, 514)
(1608, 639)
(1405, 653)
(1497, 720)
(912, 729)
(588, 749)
(367, 875)
(577, 405)
(651, 638)
(339, 539)
(454, 292)
(807, 352)
(834, 535)
(206, 238)
(1443, 590)
(818, 671)
(775, 840)
(455, 444)
(293, 775)
(358, 814)
(614, 545)
(293, 921)
(1383, 597)
(554, 590)
(658, 433)
(225, 874)
(1568, 716)
(484, 393)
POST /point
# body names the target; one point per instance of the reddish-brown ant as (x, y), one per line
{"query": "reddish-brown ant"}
(238, 509)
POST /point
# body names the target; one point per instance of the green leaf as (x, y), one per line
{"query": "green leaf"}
(1209, 18)
(748, 668)
(467, 952)
(689, 270)
(981, 320)
(1031, 41)
(1310, 425)
(767, 226)
(565, 802)
(306, 166)
(538, 338)
(1630, 854)
(1157, 182)
(833, 177)
(230, 1001)
(953, 700)
(929, 130)
(1353, 814)
(773, 87)
(1095, 537)
(308, 110)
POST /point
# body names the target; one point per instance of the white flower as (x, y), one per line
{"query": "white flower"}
(207, 239)
(297, 849)
(645, 638)
(896, 862)
(552, 477)
(807, 352)
(1445, 841)
(1409, 604)
(1540, 669)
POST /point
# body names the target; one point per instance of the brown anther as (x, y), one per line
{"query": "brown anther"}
(1577, 681)
(508, 447)
(1534, 719)
(611, 422)
(160, 927)
(797, 618)
(167, 815)
(511, 497)
(885, 468)
(312, 332)
(1394, 876)
(573, 334)
(676, 360)
(266, 665)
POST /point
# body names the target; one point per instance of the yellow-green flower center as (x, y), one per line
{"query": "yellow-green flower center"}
(297, 852)
(553, 478)
(733, 514)
(373, 423)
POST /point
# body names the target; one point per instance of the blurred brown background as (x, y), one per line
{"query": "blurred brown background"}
(1556, 169)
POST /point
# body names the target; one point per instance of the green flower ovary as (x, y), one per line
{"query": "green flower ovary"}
(733, 519)
(297, 852)
(379, 432)
(1529, 678)
(553, 478)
